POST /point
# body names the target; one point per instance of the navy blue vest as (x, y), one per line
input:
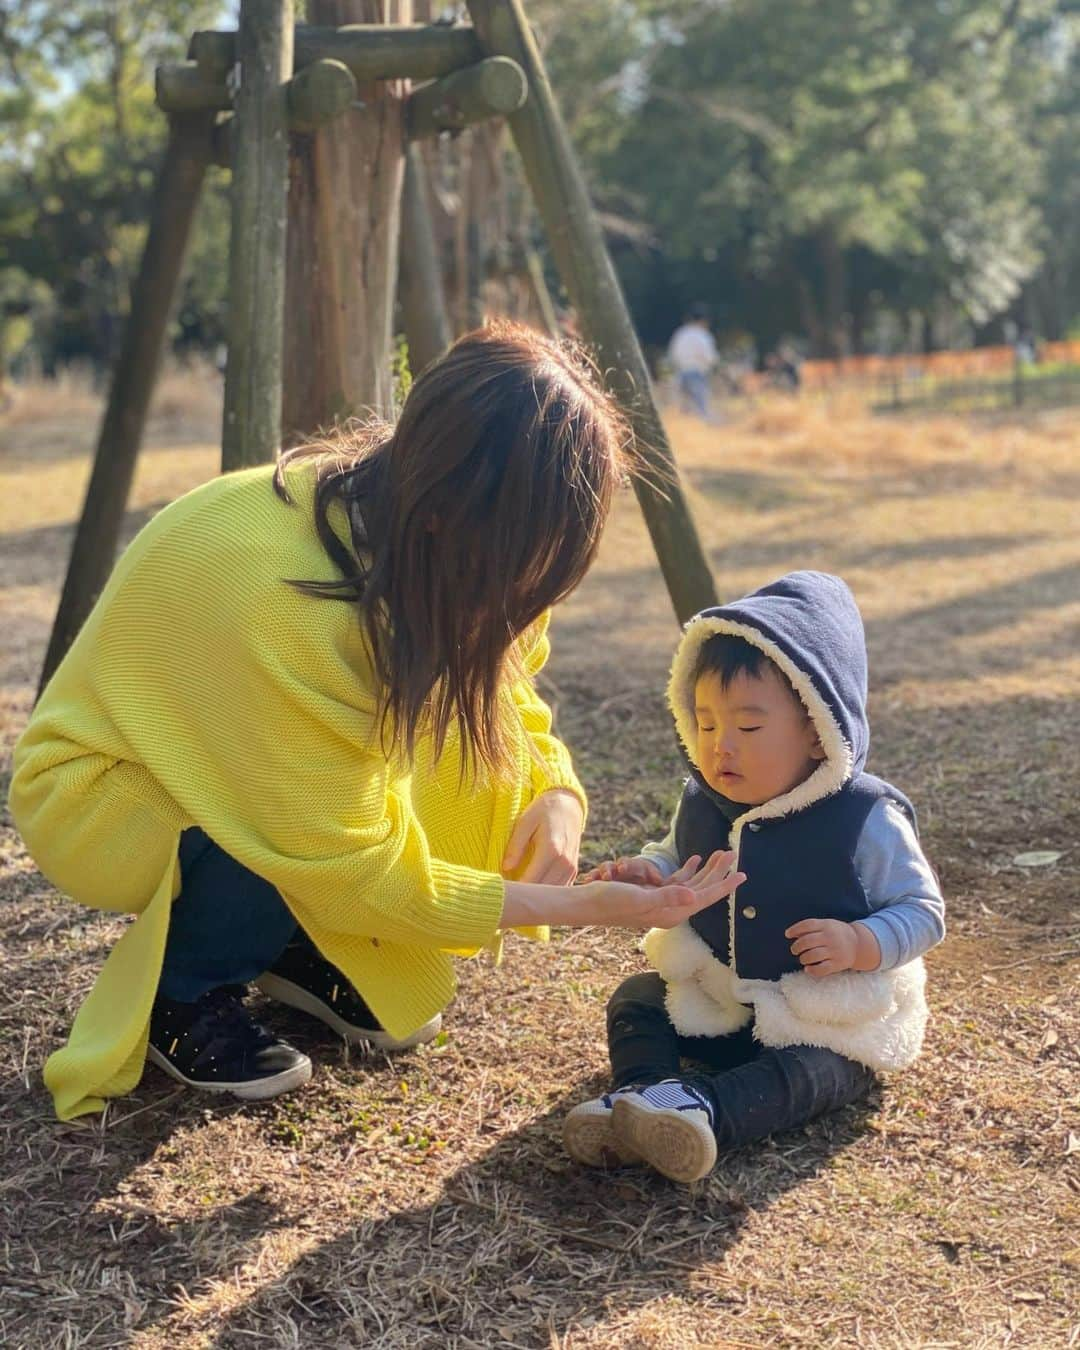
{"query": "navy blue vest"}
(800, 866)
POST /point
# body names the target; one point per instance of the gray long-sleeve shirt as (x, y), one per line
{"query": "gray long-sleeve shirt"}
(908, 910)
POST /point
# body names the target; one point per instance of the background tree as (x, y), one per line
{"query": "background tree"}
(868, 174)
(81, 139)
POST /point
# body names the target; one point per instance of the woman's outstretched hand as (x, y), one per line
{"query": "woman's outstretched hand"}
(547, 836)
(620, 904)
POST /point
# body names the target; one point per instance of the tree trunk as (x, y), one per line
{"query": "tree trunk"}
(421, 301)
(342, 253)
(1048, 296)
(860, 312)
(811, 318)
(834, 281)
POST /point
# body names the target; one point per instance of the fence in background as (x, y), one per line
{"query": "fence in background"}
(982, 379)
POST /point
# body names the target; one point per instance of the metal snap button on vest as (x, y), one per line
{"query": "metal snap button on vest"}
(749, 912)
(753, 825)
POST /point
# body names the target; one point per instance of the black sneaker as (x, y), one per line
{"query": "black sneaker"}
(215, 1045)
(304, 979)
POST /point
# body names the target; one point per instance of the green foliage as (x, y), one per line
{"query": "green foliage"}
(80, 147)
(831, 171)
(401, 370)
(833, 160)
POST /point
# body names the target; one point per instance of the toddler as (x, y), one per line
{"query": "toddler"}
(780, 1002)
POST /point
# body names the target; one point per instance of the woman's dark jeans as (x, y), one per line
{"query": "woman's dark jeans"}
(228, 926)
(754, 1090)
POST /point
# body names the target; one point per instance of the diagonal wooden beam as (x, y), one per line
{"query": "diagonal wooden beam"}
(577, 245)
(176, 197)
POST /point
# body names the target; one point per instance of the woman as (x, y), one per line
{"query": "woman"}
(298, 735)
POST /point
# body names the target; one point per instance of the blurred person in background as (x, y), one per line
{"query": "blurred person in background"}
(692, 354)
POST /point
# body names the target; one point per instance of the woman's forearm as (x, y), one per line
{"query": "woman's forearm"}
(529, 904)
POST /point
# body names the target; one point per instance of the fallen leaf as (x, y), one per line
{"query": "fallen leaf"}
(1072, 1144)
(1040, 858)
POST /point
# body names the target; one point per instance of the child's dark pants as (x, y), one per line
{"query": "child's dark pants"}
(228, 926)
(754, 1090)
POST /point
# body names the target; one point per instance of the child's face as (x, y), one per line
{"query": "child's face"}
(754, 740)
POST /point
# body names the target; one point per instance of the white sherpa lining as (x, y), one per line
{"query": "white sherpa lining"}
(700, 993)
(881, 1040)
(874, 1017)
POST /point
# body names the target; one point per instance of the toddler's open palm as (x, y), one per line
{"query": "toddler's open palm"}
(692, 888)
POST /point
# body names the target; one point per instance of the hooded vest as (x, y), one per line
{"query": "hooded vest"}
(796, 866)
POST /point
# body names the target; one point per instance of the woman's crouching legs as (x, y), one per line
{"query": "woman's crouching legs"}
(228, 928)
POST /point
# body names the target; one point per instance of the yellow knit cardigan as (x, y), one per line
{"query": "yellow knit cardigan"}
(205, 690)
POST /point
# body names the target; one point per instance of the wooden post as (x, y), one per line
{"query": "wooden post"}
(538, 288)
(318, 94)
(371, 51)
(492, 88)
(251, 431)
(474, 257)
(344, 220)
(184, 86)
(420, 287)
(324, 90)
(383, 51)
(176, 197)
(577, 245)
(213, 53)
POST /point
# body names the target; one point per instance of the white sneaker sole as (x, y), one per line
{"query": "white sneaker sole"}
(680, 1144)
(589, 1139)
(284, 991)
(251, 1090)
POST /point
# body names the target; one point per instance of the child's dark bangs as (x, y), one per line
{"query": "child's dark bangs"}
(726, 656)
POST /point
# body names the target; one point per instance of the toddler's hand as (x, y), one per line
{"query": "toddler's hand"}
(828, 946)
(623, 904)
(638, 871)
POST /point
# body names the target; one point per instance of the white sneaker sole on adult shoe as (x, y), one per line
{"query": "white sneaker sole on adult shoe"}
(249, 1090)
(680, 1144)
(589, 1139)
(295, 996)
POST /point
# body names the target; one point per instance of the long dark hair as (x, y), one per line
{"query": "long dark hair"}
(478, 511)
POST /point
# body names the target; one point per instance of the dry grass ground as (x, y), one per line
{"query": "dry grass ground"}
(426, 1202)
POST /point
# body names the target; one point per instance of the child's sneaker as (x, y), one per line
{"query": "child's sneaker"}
(588, 1137)
(669, 1125)
(303, 978)
(215, 1045)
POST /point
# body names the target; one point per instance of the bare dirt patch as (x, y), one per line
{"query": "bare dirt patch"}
(426, 1202)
